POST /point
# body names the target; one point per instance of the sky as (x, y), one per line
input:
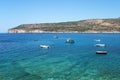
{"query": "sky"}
(16, 12)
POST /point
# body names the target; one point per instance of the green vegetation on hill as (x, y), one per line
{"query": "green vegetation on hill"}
(80, 26)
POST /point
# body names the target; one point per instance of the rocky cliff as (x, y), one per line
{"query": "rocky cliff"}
(91, 25)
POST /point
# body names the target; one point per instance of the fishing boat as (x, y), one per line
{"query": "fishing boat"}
(101, 52)
(45, 46)
(97, 40)
(56, 37)
(36, 40)
(69, 41)
(100, 45)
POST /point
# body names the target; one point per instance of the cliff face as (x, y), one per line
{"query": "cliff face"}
(91, 25)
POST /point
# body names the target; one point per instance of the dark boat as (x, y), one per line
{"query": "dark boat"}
(70, 41)
(56, 37)
(36, 40)
(101, 52)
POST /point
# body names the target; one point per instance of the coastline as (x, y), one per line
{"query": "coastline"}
(96, 32)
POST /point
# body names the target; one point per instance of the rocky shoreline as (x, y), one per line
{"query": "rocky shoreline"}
(37, 31)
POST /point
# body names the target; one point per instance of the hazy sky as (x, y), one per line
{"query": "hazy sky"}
(16, 12)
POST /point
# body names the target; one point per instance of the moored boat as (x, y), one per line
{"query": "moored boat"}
(97, 40)
(56, 37)
(100, 45)
(45, 46)
(36, 40)
(101, 52)
(70, 41)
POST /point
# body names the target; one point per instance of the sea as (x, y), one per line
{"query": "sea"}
(22, 58)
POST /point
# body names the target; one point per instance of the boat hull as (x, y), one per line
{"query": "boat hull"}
(44, 46)
(101, 52)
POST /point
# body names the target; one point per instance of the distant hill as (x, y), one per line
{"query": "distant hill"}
(90, 25)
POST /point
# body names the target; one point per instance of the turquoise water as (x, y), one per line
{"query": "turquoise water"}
(21, 58)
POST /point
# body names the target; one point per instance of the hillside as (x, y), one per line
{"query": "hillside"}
(90, 25)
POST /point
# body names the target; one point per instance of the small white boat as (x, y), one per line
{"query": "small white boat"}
(97, 40)
(45, 46)
(100, 45)
(101, 52)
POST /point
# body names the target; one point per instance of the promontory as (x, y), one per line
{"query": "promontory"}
(89, 25)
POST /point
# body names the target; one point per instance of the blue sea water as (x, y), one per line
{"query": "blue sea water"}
(21, 57)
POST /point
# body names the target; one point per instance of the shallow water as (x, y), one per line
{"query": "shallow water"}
(21, 57)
